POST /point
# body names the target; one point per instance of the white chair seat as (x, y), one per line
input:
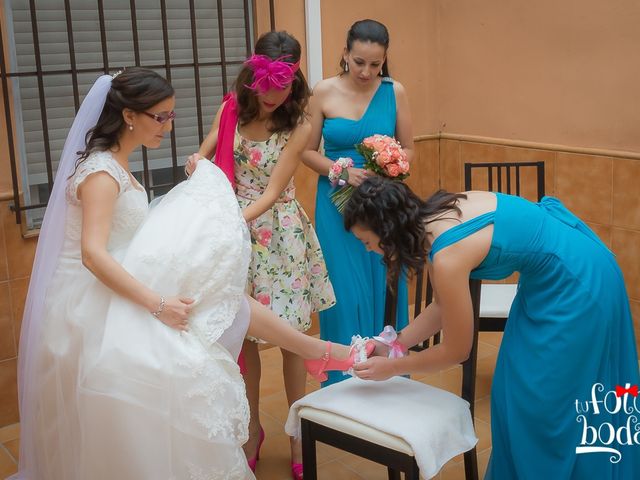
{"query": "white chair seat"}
(496, 299)
(431, 424)
(356, 429)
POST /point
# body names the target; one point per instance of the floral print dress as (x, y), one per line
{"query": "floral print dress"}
(287, 271)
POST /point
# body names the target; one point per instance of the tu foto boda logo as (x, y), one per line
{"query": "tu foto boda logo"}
(605, 437)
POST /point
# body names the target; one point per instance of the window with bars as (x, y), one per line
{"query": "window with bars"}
(57, 48)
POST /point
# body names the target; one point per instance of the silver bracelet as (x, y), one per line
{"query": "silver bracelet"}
(160, 308)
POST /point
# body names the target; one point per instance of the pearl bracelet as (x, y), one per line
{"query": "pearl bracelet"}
(160, 308)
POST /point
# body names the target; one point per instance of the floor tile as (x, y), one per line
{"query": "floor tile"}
(10, 432)
(13, 447)
(492, 338)
(365, 468)
(7, 465)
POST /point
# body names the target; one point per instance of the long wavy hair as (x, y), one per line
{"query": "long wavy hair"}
(392, 211)
(275, 45)
(135, 88)
(368, 31)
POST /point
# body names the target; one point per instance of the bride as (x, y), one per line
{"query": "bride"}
(135, 317)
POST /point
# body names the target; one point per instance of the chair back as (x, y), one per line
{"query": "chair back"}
(524, 179)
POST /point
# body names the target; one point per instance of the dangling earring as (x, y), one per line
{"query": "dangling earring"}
(130, 128)
(346, 67)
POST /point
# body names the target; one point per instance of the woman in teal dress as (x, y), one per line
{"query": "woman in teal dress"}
(345, 109)
(564, 400)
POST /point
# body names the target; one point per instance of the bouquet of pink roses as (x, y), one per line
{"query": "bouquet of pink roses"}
(383, 155)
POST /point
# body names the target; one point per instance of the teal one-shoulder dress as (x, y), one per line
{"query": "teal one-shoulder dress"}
(569, 340)
(358, 277)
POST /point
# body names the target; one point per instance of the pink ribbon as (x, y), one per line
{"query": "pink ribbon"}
(389, 337)
(268, 73)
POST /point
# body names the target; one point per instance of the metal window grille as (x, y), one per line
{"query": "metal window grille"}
(57, 48)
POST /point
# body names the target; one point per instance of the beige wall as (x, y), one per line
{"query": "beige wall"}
(546, 71)
(412, 51)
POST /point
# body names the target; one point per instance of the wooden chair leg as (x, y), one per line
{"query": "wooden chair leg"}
(413, 473)
(309, 462)
(393, 473)
(471, 465)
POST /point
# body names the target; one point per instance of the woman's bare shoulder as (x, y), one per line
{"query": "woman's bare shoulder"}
(326, 86)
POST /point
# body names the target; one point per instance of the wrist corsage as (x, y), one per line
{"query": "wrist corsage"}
(389, 337)
(338, 174)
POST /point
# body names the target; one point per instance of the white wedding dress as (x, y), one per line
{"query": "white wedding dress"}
(121, 395)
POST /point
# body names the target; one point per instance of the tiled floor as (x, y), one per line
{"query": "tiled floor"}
(332, 464)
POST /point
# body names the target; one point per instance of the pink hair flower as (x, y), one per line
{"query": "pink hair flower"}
(271, 74)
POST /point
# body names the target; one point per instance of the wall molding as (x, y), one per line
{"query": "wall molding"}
(601, 152)
(6, 195)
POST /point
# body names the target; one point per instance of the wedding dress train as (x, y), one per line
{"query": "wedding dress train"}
(121, 394)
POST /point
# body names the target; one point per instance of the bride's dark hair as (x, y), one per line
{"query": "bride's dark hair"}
(135, 88)
(398, 216)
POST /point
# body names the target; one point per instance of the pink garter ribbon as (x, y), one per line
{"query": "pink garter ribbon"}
(389, 337)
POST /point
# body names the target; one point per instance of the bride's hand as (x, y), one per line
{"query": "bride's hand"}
(175, 313)
(192, 161)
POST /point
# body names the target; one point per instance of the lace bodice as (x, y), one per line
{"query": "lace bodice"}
(129, 211)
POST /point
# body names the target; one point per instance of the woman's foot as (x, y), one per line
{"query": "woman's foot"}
(296, 458)
(296, 471)
(252, 448)
(337, 357)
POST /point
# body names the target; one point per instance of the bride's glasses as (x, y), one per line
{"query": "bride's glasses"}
(162, 117)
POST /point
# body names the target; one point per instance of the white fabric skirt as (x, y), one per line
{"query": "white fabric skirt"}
(124, 396)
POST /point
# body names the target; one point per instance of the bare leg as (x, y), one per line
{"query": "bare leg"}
(295, 347)
(295, 376)
(267, 325)
(252, 382)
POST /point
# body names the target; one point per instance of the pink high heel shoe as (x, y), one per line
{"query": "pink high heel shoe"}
(296, 471)
(253, 461)
(317, 368)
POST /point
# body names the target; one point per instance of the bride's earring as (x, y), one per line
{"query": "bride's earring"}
(346, 67)
(130, 128)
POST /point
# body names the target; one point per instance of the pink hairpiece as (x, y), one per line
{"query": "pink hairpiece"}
(268, 73)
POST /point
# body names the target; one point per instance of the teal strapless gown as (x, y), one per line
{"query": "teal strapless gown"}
(358, 276)
(569, 328)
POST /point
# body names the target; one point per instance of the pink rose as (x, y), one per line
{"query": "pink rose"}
(316, 269)
(398, 154)
(296, 284)
(393, 170)
(286, 221)
(379, 145)
(256, 156)
(369, 141)
(404, 166)
(264, 236)
(264, 299)
(383, 158)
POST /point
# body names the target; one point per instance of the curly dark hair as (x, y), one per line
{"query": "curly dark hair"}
(135, 88)
(368, 31)
(275, 45)
(398, 216)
